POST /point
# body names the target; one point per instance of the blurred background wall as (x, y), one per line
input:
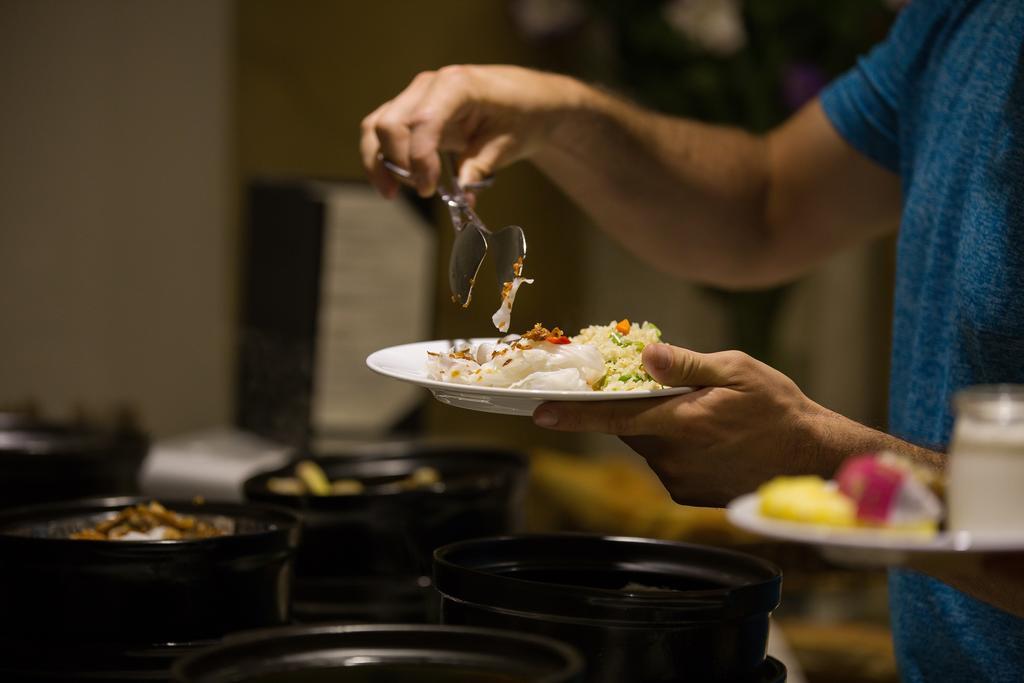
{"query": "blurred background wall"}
(116, 232)
(130, 130)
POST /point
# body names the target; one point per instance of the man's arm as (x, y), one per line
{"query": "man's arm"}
(708, 203)
(996, 578)
(748, 423)
(716, 204)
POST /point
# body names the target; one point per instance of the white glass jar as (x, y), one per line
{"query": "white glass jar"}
(986, 469)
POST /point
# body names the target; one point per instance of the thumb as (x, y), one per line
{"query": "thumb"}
(676, 367)
(481, 162)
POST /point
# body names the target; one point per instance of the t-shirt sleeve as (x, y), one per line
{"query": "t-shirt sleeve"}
(864, 103)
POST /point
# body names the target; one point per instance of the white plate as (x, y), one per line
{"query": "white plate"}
(408, 363)
(867, 546)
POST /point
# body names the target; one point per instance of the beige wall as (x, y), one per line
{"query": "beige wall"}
(115, 253)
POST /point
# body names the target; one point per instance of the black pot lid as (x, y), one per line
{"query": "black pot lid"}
(610, 580)
(291, 649)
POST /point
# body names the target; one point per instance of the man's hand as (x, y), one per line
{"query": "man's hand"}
(745, 424)
(490, 116)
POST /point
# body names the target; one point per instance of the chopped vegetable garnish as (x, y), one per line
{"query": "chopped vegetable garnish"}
(558, 340)
(618, 340)
(623, 326)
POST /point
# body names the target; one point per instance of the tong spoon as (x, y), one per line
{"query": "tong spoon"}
(471, 246)
(406, 175)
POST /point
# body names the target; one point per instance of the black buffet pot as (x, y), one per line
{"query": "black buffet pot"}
(639, 610)
(368, 557)
(772, 671)
(45, 461)
(382, 654)
(84, 609)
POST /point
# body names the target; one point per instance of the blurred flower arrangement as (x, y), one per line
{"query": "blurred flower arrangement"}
(749, 64)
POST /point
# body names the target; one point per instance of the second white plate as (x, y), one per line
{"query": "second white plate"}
(865, 546)
(407, 363)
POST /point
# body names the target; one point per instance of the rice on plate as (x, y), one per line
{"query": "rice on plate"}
(621, 345)
(599, 358)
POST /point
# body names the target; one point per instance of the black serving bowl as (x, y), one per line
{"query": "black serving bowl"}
(95, 607)
(639, 610)
(44, 461)
(368, 557)
(382, 654)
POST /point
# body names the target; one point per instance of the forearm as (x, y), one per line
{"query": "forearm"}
(831, 438)
(712, 203)
(689, 198)
(997, 579)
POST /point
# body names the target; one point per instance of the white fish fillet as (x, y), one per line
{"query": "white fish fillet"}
(521, 365)
(503, 316)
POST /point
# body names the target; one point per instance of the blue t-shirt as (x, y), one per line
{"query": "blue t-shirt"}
(941, 103)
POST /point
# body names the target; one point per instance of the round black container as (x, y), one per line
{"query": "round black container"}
(368, 557)
(772, 671)
(382, 654)
(122, 609)
(43, 461)
(639, 610)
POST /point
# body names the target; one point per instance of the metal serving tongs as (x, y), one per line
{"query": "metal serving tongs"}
(473, 239)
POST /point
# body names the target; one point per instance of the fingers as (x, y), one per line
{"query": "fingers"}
(369, 149)
(410, 129)
(432, 125)
(391, 125)
(669, 365)
(480, 161)
(676, 367)
(623, 418)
